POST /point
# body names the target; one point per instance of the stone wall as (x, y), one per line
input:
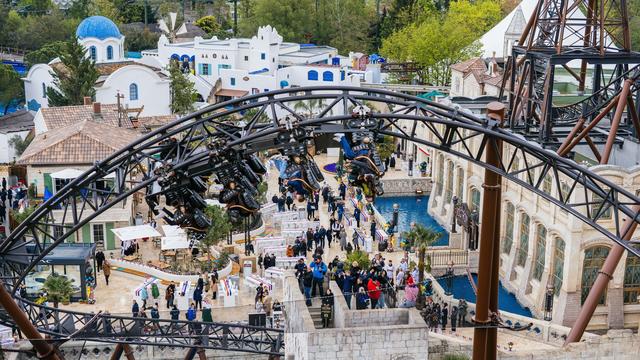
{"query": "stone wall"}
(617, 344)
(406, 186)
(100, 351)
(358, 334)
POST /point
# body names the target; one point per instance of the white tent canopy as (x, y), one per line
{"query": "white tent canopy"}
(135, 232)
(67, 174)
(173, 231)
(174, 242)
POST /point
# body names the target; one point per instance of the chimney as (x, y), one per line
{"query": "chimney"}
(87, 100)
(97, 109)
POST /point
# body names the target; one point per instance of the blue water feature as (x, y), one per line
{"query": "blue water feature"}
(134, 55)
(412, 209)
(19, 67)
(506, 301)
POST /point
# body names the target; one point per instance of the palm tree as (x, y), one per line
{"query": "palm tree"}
(421, 238)
(58, 288)
(309, 107)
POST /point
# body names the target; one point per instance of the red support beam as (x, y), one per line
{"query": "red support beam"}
(485, 336)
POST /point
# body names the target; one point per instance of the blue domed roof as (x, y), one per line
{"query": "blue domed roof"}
(97, 27)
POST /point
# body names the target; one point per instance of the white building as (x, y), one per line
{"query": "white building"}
(473, 78)
(19, 123)
(223, 69)
(140, 85)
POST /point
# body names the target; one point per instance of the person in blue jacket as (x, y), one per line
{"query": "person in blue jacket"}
(319, 270)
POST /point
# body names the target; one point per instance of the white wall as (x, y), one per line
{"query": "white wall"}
(38, 74)
(8, 152)
(245, 81)
(101, 48)
(153, 91)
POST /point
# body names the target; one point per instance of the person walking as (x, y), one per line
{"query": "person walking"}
(144, 296)
(99, 259)
(307, 283)
(342, 189)
(373, 229)
(135, 309)
(356, 216)
(454, 318)
(174, 313)
(373, 287)
(343, 238)
(206, 312)
(155, 315)
(340, 211)
(214, 288)
(356, 241)
(322, 232)
(445, 316)
(169, 294)
(309, 239)
(197, 297)
(289, 202)
(106, 269)
(347, 287)
(329, 236)
(309, 211)
(326, 309)
(462, 313)
(319, 270)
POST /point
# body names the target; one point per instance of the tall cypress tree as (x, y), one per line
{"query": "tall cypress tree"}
(75, 79)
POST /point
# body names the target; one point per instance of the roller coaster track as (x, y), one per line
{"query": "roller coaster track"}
(185, 147)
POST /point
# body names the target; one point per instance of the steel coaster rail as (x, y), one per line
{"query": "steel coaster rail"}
(182, 145)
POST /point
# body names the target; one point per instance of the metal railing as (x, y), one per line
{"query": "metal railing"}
(441, 258)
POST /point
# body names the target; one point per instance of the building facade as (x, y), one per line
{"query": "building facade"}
(138, 85)
(544, 246)
(239, 66)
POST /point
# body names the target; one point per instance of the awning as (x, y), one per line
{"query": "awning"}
(231, 92)
(66, 174)
(174, 242)
(136, 232)
(172, 230)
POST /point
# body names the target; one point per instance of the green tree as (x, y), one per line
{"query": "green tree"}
(438, 41)
(20, 144)
(58, 289)
(211, 26)
(19, 217)
(293, 19)
(309, 107)
(37, 7)
(140, 39)
(79, 9)
(105, 8)
(421, 237)
(386, 147)
(75, 79)
(46, 53)
(183, 91)
(11, 87)
(360, 257)
(219, 229)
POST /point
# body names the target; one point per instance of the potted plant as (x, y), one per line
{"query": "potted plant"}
(421, 238)
(58, 289)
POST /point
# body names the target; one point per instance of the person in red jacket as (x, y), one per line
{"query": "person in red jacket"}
(373, 288)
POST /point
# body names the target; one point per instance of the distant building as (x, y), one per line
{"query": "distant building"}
(231, 68)
(19, 123)
(140, 85)
(473, 78)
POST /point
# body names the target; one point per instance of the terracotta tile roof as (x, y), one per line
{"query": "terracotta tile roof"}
(21, 120)
(465, 67)
(58, 117)
(79, 143)
(156, 121)
(493, 80)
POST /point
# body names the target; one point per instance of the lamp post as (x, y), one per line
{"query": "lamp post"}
(454, 201)
(449, 275)
(548, 301)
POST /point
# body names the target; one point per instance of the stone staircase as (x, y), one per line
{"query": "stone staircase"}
(316, 315)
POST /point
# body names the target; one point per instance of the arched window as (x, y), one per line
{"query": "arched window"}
(507, 243)
(541, 245)
(312, 75)
(327, 76)
(558, 265)
(631, 279)
(593, 260)
(448, 189)
(523, 248)
(440, 178)
(475, 200)
(44, 90)
(109, 52)
(93, 53)
(460, 186)
(133, 92)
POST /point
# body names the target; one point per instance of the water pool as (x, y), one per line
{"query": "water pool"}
(412, 209)
(506, 301)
